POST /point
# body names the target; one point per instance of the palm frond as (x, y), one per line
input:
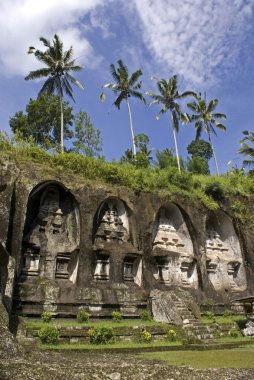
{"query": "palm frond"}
(137, 95)
(220, 116)
(36, 74)
(212, 105)
(67, 56)
(49, 87)
(119, 100)
(114, 74)
(175, 120)
(45, 42)
(75, 81)
(134, 77)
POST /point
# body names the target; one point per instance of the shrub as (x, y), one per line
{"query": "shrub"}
(117, 316)
(48, 335)
(171, 336)
(141, 335)
(234, 333)
(100, 335)
(228, 313)
(46, 316)
(209, 314)
(82, 316)
(215, 190)
(146, 315)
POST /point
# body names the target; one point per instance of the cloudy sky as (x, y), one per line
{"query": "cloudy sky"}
(207, 43)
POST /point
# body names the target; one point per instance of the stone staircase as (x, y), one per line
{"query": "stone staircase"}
(193, 326)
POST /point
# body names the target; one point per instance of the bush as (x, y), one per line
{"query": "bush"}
(234, 333)
(209, 314)
(82, 316)
(228, 313)
(141, 335)
(216, 191)
(171, 336)
(117, 316)
(146, 315)
(48, 335)
(46, 316)
(100, 335)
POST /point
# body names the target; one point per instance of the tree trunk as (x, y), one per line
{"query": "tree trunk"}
(214, 156)
(61, 124)
(176, 147)
(132, 134)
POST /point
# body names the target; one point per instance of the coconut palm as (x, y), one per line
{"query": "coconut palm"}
(125, 87)
(59, 64)
(204, 118)
(168, 97)
(247, 150)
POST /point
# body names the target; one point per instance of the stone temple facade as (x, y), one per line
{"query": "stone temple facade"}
(102, 248)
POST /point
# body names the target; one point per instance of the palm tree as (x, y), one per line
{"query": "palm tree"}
(125, 87)
(168, 97)
(59, 64)
(247, 150)
(205, 118)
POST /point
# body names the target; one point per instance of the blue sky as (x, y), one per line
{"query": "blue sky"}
(207, 43)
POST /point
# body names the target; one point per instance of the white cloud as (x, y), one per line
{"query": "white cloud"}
(197, 39)
(22, 22)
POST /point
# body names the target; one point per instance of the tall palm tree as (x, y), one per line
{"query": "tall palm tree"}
(168, 97)
(59, 64)
(247, 150)
(125, 86)
(204, 118)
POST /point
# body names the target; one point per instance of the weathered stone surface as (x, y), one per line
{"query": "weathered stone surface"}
(249, 329)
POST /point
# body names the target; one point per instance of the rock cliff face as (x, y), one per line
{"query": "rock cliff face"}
(75, 245)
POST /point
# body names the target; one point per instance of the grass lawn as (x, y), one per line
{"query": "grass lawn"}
(223, 320)
(234, 358)
(38, 323)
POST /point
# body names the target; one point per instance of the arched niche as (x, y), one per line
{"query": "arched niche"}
(111, 222)
(51, 233)
(173, 249)
(224, 261)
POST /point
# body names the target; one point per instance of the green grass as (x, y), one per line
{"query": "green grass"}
(223, 320)
(234, 358)
(122, 344)
(38, 323)
(230, 339)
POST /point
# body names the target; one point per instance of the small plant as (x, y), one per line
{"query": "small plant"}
(209, 314)
(146, 315)
(100, 335)
(171, 336)
(141, 335)
(234, 333)
(46, 316)
(48, 335)
(82, 316)
(117, 316)
(228, 313)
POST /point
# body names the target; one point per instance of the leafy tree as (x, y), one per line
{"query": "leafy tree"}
(59, 64)
(205, 118)
(200, 148)
(42, 121)
(125, 87)
(88, 139)
(168, 97)
(166, 158)
(143, 158)
(198, 165)
(246, 149)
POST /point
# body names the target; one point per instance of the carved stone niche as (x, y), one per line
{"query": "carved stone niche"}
(101, 272)
(51, 233)
(224, 261)
(173, 249)
(111, 222)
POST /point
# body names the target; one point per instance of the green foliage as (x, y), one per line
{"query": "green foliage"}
(141, 335)
(198, 165)
(42, 121)
(247, 150)
(234, 333)
(82, 316)
(216, 191)
(228, 313)
(88, 140)
(242, 212)
(200, 148)
(171, 336)
(117, 316)
(48, 335)
(209, 314)
(145, 315)
(46, 316)
(166, 158)
(143, 157)
(100, 335)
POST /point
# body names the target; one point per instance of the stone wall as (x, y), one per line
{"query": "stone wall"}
(74, 245)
